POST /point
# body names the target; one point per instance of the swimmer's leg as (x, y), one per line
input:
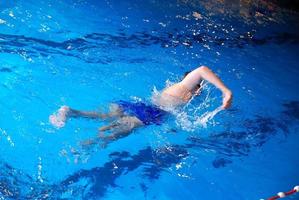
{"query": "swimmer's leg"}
(121, 128)
(108, 127)
(84, 114)
(90, 142)
(58, 119)
(114, 111)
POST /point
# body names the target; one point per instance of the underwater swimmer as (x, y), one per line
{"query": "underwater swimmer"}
(127, 116)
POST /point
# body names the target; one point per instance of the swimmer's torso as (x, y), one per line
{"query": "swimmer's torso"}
(178, 90)
(173, 96)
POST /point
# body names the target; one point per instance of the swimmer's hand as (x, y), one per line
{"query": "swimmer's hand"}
(227, 99)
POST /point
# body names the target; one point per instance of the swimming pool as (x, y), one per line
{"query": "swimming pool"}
(88, 53)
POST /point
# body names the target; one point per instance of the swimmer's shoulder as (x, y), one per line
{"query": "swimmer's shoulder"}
(171, 89)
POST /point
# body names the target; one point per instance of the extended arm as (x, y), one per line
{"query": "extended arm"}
(204, 73)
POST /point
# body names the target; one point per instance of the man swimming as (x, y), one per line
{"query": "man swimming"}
(128, 116)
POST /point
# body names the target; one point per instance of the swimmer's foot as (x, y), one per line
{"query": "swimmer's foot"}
(59, 118)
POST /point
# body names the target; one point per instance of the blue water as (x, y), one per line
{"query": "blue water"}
(86, 54)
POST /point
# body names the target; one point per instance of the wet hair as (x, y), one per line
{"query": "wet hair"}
(186, 73)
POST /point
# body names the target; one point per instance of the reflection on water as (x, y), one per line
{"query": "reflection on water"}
(249, 11)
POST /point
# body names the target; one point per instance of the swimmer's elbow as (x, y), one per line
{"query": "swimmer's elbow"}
(203, 68)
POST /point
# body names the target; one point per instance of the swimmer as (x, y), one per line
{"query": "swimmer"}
(127, 116)
(183, 91)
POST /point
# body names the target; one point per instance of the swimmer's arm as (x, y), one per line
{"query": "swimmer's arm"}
(204, 73)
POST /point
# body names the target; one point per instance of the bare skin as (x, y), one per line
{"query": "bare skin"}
(185, 89)
(122, 124)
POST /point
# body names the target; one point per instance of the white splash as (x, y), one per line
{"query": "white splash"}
(11, 14)
(183, 120)
(39, 170)
(2, 21)
(8, 138)
(206, 117)
(191, 117)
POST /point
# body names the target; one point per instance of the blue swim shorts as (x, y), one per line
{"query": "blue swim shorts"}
(148, 114)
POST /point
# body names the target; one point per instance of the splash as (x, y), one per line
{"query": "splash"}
(207, 116)
(8, 138)
(191, 117)
(194, 116)
(192, 123)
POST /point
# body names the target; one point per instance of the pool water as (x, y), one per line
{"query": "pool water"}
(86, 54)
